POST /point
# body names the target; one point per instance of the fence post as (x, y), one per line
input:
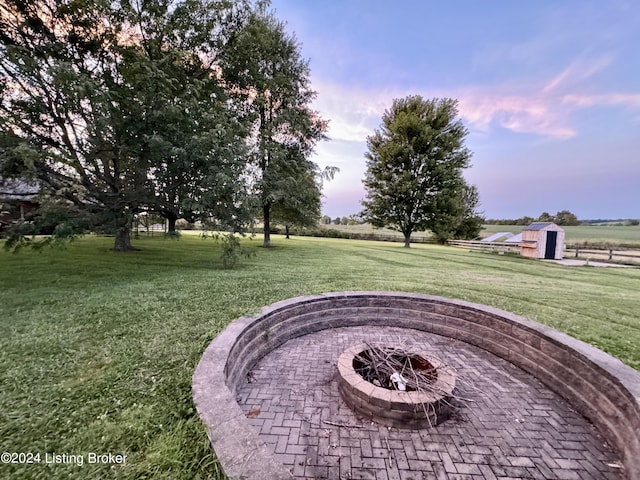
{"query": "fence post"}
(610, 253)
(577, 250)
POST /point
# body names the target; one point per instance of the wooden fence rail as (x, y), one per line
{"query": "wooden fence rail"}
(626, 255)
(612, 254)
(500, 247)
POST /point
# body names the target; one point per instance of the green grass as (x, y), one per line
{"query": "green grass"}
(591, 234)
(98, 348)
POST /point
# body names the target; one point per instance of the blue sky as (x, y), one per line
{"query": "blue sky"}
(549, 90)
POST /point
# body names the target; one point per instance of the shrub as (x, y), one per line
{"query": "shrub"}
(232, 251)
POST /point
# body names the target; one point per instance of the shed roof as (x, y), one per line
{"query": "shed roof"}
(538, 226)
(496, 236)
(515, 239)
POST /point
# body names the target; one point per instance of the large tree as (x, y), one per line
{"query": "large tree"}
(264, 65)
(116, 103)
(414, 166)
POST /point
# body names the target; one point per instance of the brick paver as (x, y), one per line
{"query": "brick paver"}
(508, 425)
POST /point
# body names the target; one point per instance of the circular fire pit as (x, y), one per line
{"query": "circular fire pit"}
(415, 393)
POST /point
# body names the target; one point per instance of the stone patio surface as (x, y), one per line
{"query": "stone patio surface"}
(508, 424)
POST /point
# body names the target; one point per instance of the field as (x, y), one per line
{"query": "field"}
(98, 348)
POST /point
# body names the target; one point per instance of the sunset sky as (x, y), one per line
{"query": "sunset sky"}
(549, 90)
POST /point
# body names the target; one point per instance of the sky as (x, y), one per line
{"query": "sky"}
(549, 91)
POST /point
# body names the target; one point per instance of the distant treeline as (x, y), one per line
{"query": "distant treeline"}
(563, 217)
(609, 221)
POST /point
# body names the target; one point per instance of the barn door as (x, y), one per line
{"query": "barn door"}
(550, 250)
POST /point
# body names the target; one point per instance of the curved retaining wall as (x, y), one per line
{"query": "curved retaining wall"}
(596, 384)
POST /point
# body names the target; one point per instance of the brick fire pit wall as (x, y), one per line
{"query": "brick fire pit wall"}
(408, 409)
(597, 385)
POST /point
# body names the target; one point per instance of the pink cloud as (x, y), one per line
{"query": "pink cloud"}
(542, 111)
(578, 71)
(356, 112)
(518, 113)
(606, 99)
(541, 108)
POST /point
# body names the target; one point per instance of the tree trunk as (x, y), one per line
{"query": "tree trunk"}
(172, 223)
(266, 211)
(407, 239)
(123, 234)
(286, 230)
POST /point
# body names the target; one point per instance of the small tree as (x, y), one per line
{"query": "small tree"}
(566, 218)
(546, 217)
(414, 166)
(299, 203)
(354, 220)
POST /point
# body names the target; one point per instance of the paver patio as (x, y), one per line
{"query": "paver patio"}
(508, 424)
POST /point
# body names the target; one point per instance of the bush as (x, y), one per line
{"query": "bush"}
(183, 224)
(232, 251)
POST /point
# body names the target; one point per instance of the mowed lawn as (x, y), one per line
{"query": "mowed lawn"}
(98, 348)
